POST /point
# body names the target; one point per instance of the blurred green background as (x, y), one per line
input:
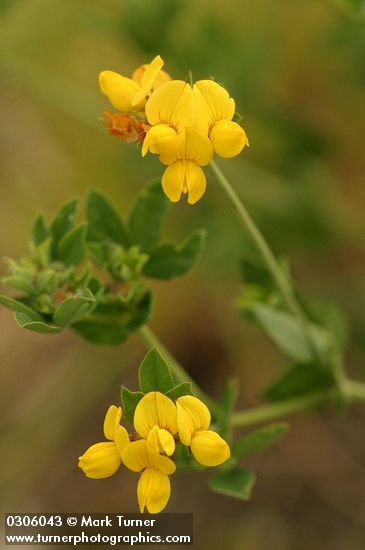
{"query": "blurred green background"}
(297, 72)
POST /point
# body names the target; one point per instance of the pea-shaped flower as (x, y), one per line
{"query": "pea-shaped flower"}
(214, 112)
(155, 421)
(154, 489)
(193, 420)
(103, 459)
(129, 95)
(171, 111)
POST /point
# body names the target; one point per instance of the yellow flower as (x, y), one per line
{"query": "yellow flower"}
(103, 459)
(155, 421)
(154, 488)
(182, 147)
(215, 110)
(130, 94)
(193, 420)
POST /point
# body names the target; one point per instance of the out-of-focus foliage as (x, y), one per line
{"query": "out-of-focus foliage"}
(60, 287)
(296, 71)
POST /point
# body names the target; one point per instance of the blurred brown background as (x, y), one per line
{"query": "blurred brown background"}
(297, 72)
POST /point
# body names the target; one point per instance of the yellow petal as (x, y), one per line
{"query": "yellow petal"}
(213, 103)
(228, 138)
(138, 455)
(119, 90)
(196, 181)
(161, 441)
(173, 180)
(192, 416)
(209, 449)
(148, 79)
(160, 462)
(100, 461)
(196, 146)
(172, 103)
(153, 491)
(159, 139)
(135, 456)
(121, 438)
(162, 77)
(111, 421)
(155, 409)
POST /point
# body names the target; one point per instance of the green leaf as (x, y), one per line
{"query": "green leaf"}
(226, 406)
(288, 334)
(74, 308)
(154, 374)
(71, 249)
(40, 232)
(24, 284)
(259, 440)
(19, 307)
(130, 400)
(61, 224)
(299, 380)
(147, 215)
(37, 326)
(178, 391)
(111, 324)
(168, 260)
(104, 221)
(237, 483)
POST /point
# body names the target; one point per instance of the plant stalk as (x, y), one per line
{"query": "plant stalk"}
(276, 271)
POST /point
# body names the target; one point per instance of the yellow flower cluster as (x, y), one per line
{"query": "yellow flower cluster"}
(183, 124)
(158, 422)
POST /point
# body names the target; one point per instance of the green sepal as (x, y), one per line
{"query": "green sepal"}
(111, 324)
(71, 248)
(18, 307)
(105, 224)
(168, 260)
(237, 483)
(259, 440)
(154, 374)
(61, 224)
(37, 326)
(74, 308)
(178, 391)
(299, 380)
(130, 400)
(40, 231)
(147, 215)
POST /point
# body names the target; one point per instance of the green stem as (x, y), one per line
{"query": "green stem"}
(178, 371)
(355, 392)
(282, 409)
(277, 273)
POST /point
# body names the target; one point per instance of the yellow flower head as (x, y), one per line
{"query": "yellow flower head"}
(155, 421)
(215, 110)
(130, 94)
(193, 420)
(103, 459)
(154, 488)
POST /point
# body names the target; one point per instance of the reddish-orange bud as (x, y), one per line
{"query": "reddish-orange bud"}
(125, 127)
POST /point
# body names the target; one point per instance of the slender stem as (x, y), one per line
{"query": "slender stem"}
(178, 370)
(277, 273)
(265, 413)
(282, 409)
